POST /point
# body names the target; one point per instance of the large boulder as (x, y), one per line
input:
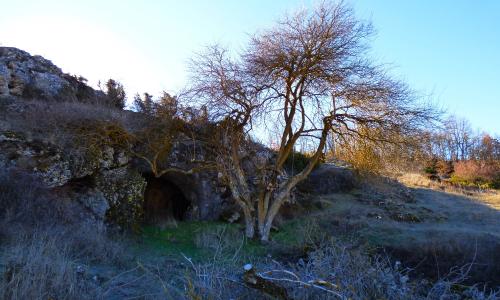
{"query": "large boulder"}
(123, 189)
(327, 179)
(103, 182)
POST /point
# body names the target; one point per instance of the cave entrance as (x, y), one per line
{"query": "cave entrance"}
(164, 201)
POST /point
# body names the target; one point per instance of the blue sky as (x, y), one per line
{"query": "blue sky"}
(448, 49)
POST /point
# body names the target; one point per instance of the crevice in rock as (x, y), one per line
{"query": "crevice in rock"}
(76, 185)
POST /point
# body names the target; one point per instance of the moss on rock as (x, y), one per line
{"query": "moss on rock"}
(124, 190)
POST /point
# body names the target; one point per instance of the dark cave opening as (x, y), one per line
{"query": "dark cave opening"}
(164, 201)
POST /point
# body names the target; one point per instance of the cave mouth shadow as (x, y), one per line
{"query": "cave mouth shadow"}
(164, 201)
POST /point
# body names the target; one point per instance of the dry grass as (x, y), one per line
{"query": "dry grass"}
(492, 200)
(55, 122)
(416, 180)
(38, 266)
(45, 245)
(221, 240)
(46, 256)
(419, 180)
(488, 197)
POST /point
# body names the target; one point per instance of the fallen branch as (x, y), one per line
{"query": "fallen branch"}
(254, 280)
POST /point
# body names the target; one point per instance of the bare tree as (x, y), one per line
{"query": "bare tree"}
(232, 97)
(459, 138)
(309, 75)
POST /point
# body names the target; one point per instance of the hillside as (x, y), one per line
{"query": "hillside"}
(177, 200)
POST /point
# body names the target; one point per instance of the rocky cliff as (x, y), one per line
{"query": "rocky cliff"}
(27, 77)
(54, 126)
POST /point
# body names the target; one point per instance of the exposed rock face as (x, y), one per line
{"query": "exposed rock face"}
(112, 191)
(26, 76)
(51, 164)
(82, 156)
(123, 189)
(203, 189)
(113, 184)
(103, 178)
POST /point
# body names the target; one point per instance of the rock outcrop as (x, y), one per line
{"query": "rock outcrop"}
(68, 148)
(54, 126)
(327, 179)
(26, 76)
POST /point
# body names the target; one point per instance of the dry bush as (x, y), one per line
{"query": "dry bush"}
(334, 269)
(40, 267)
(219, 276)
(216, 280)
(45, 241)
(474, 171)
(25, 202)
(221, 241)
(444, 168)
(48, 120)
(338, 270)
(460, 259)
(342, 270)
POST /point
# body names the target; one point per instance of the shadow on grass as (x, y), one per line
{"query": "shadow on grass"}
(468, 235)
(448, 231)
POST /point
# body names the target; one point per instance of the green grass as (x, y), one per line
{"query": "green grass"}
(178, 240)
(181, 240)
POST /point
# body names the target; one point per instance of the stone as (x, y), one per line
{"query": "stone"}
(327, 179)
(104, 179)
(95, 201)
(123, 189)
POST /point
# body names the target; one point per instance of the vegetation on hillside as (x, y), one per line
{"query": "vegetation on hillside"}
(309, 76)
(410, 227)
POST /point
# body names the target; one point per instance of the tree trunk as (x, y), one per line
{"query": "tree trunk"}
(249, 223)
(266, 231)
(263, 208)
(265, 228)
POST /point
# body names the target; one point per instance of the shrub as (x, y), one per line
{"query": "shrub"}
(473, 172)
(24, 200)
(444, 168)
(115, 94)
(430, 167)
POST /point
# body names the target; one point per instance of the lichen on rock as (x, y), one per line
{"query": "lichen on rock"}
(124, 190)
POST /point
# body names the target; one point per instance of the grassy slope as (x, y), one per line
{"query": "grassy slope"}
(447, 229)
(446, 224)
(433, 214)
